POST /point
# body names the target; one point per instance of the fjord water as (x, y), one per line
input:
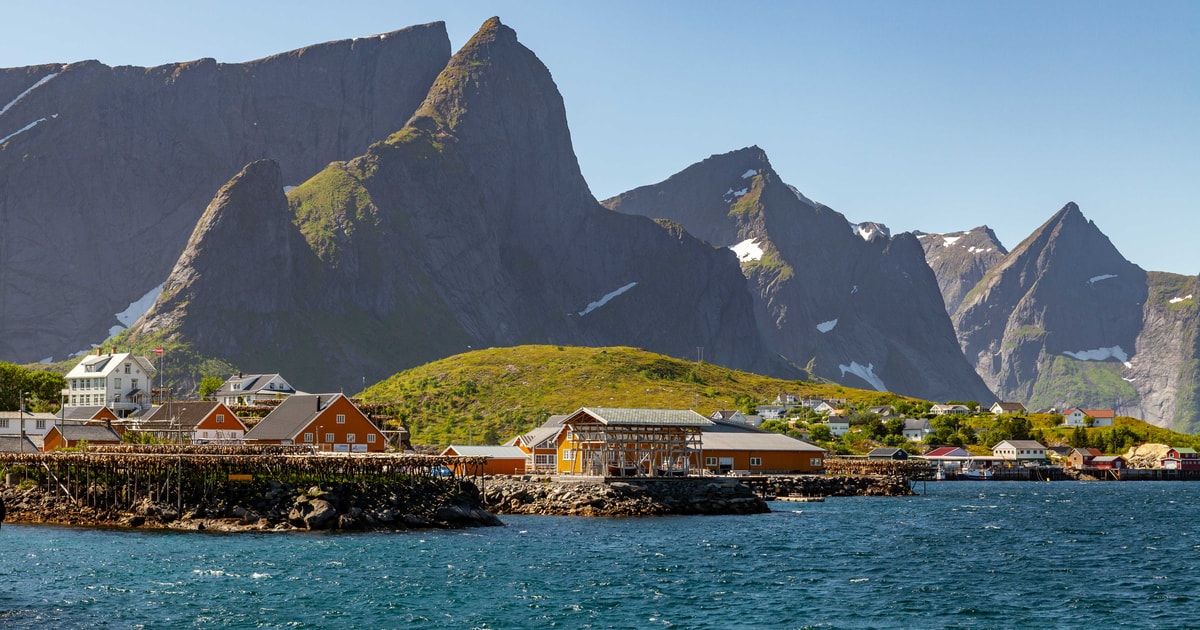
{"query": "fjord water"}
(966, 554)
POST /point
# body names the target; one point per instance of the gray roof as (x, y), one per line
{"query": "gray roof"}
(287, 420)
(177, 415)
(16, 415)
(81, 413)
(915, 424)
(251, 384)
(885, 451)
(540, 434)
(89, 433)
(646, 417)
(12, 444)
(555, 421)
(725, 436)
(495, 452)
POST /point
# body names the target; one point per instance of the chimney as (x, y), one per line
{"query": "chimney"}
(99, 351)
(318, 403)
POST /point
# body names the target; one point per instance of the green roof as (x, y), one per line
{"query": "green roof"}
(644, 417)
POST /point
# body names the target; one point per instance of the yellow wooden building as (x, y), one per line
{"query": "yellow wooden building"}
(611, 442)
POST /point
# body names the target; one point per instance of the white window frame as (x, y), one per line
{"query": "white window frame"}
(568, 455)
(350, 438)
(370, 438)
(710, 461)
(756, 462)
(220, 418)
(341, 418)
(308, 438)
(815, 462)
(329, 437)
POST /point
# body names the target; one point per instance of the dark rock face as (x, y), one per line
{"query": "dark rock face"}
(121, 162)
(1056, 322)
(644, 497)
(959, 260)
(848, 302)
(470, 227)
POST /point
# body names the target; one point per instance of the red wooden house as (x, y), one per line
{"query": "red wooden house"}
(1181, 459)
(327, 422)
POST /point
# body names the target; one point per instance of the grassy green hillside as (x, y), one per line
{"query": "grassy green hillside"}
(489, 396)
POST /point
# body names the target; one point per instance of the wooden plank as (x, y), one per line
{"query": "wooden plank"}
(240, 477)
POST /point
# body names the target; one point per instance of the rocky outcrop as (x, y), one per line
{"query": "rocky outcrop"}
(276, 506)
(621, 498)
(104, 171)
(838, 486)
(470, 227)
(847, 302)
(959, 260)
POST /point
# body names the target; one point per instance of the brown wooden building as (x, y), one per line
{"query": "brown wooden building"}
(327, 422)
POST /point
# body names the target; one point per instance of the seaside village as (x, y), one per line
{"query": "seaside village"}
(108, 400)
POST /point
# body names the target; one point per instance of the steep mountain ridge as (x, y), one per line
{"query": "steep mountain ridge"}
(117, 164)
(959, 260)
(827, 292)
(471, 226)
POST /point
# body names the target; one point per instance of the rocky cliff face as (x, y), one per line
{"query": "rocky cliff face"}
(959, 260)
(469, 227)
(104, 171)
(848, 302)
(1056, 322)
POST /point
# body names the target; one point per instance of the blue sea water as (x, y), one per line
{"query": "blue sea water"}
(964, 555)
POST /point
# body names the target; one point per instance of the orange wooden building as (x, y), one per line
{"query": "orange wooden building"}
(327, 422)
(70, 436)
(728, 447)
(195, 421)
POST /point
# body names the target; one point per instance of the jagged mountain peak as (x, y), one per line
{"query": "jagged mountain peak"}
(960, 260)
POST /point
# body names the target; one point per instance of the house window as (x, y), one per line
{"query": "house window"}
(341, 418)
(544, 459)
(3, 423)
(133, 383)
(370, 438)
(815, 462)
(126, 368)
(710, 461)
(329, 437)
(308, 438)
(117, 383)
(349, 437)
(568, 455)
(755, 462)
(41, 424)
(220, 418)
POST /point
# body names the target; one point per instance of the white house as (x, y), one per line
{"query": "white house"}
(949, 410)
(838, 426)
(119, 381)
(1020, 450)
(771, 412)
(35, 424)
(1078, 417)
(247, 389)
(915, 429)
(1002, 408)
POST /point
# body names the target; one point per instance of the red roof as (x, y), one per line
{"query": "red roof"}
(1099, 413)
(942, 451)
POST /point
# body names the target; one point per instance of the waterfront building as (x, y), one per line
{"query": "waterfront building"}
(72, 435)
(327, 422)
(630, 442)
(729, 447)
(1020, 451)
(502, 460)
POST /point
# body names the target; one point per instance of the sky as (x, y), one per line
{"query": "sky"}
(923, 115)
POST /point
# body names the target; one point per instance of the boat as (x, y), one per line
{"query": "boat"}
(975, 474)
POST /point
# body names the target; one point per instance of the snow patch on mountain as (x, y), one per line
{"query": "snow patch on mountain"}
(136, 309)
(748, 250)
(827, 326)
(1094, 279)
(604, 300)
(31, 88)
(865, 373)
(1176, 300)
(1101, 354)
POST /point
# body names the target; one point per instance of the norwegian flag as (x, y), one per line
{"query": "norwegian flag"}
(158, 351)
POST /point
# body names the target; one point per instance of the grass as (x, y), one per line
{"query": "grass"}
(489, 396)
(1063, 378)
(331, 206)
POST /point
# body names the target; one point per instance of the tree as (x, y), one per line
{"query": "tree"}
(819, 433)
(209, 385)
(1079, 438)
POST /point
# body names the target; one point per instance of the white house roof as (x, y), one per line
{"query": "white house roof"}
(494, 452)
(101, 365)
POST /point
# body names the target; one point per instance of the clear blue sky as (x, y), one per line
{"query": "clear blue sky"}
(937, 116)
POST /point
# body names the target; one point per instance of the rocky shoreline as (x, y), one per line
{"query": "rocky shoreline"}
(273, 506)
(640, 497)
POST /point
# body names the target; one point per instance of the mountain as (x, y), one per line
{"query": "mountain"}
(1065, 320)
(471, 226)
(850, 302)
(959, 260)
(104, 171)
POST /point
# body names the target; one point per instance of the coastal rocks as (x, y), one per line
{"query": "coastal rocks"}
(1146, 455)
(632, 498)
(839, 486)
(271, 506)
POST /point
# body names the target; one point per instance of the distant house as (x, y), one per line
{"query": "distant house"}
(1181, 459)
(540, 447)
(1078, 417)
(120, 381)
(249, 389)
(811, 403)
(502, 460)
(883, 411)
(771, 412)
(31, 424)
(1020, 450)
(327, 422)
(949, 410)
(729, 415)
(916, 429)
(71, 435)
(728, 447)
(1108, 462)
(824, 407)
(1001, 408)
(887, 453)
(838, 426)
(95, 415)
(948, 452)
(195, 421)
(787, 399)
(1082, 457)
